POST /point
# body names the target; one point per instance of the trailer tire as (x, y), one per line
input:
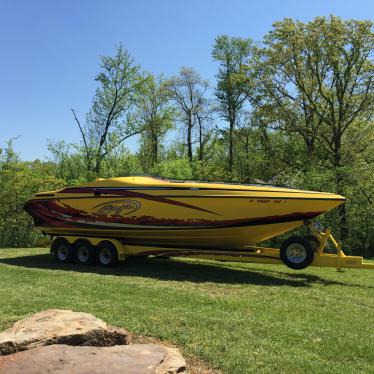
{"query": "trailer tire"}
(296, 252)
(84, 252)
(107, 254)
(62, 250)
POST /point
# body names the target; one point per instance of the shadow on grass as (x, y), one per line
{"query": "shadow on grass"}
(181, 271)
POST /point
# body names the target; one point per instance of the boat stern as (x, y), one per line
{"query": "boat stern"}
(35, 207)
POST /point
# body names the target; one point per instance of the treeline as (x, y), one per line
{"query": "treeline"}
(295, 110)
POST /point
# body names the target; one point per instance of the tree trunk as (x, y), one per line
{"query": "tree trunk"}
(343, 221)
(309, 141)
(231, 144)
(97, 165)
(201, 145)
(248, 158)
(154, 150)
(339, 181)
(89, 164)
(189, 138)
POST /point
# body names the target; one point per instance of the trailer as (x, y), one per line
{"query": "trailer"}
(296, 252)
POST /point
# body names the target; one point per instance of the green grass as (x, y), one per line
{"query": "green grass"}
(240, 318)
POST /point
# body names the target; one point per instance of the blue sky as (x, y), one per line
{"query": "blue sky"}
(50, 50)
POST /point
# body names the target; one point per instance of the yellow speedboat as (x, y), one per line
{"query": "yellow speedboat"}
(158, 212)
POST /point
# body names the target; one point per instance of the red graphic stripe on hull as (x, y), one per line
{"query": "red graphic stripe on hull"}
(49, 213)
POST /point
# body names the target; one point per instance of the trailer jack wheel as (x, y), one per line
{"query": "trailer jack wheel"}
(297, 253)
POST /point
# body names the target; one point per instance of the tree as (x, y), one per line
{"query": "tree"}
(155, 115)
(188, 90)
(204, 117)
(317, 80)
(231, 53)
(68, 161)
(18, 181)
(110, 121)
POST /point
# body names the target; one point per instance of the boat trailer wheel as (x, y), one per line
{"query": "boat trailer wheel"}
(62, 250)
(107, 254)
(297, 253)
(84, 252)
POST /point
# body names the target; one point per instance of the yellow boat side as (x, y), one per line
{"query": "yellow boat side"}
(147, 210)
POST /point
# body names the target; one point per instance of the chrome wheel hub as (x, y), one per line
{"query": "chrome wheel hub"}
(105, 256)
(62, 253)
(296, 253)
(83, 254)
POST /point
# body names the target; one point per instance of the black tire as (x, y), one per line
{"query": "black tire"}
(62, 250)
(296, 252)
(107, 254)
(84, 252)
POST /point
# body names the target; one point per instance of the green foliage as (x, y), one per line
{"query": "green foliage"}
(173, 169)
(68, 162)
(209, 171)
(111, 118)
(155, 115)
(315, 84)
(316, 80)
(120, 162)
(360, 191)
(231, 93)
(18, 181)
(187, 90)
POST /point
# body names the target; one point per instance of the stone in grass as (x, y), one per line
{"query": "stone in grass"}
(55, 326)
(128, 359)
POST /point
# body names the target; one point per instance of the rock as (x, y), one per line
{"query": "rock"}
(56, 326)
(62, 341)
(129, 359)
(173, 362)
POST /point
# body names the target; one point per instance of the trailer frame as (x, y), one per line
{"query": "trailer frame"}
(250, 254)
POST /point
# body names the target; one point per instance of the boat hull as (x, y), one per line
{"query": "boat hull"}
(189, 216)
(223, 238)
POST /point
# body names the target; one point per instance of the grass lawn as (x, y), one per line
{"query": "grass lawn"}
(239, 318)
